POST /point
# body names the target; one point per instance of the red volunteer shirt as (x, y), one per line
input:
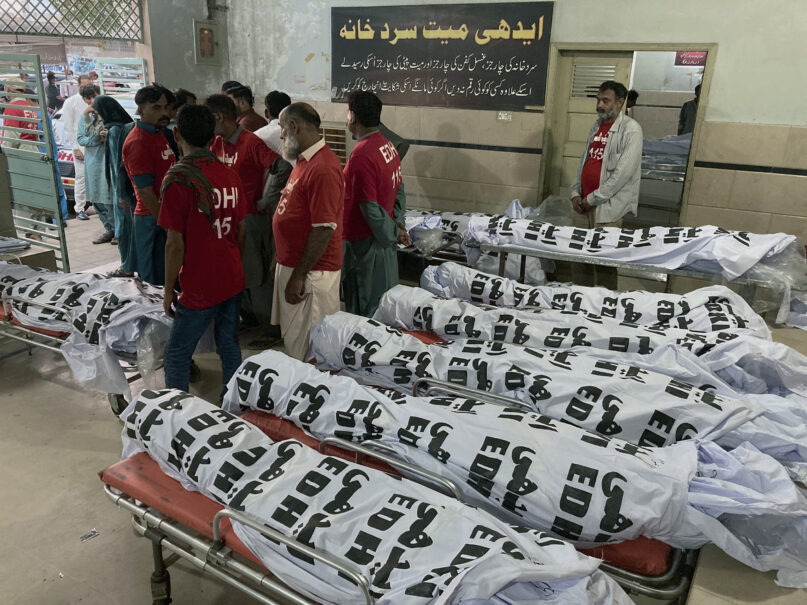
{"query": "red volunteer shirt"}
(250, 157)
(590, 179)
(211, 267)
(20, 112)
(147, 156)
(251, 121)
(314, 195)
(372, 174)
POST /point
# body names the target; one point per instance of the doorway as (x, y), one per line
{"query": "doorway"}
(576, 72)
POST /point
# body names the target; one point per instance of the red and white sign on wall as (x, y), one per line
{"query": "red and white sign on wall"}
(690, 57)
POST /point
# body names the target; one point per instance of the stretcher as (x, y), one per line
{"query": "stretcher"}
(11, 327)
(643, 566)
(184, 523)
(747, 285)
(190, 526)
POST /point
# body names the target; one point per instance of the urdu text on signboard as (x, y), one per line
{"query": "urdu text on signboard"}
(468, 56)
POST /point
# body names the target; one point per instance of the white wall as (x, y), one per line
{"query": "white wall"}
(759, 74)
(656, 70)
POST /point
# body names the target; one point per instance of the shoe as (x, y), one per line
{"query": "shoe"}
(119, 273)
(82, 216)
(104, 238)
(114, 241)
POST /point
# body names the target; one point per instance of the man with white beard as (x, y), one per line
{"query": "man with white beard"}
(307, 227)
(606, 186)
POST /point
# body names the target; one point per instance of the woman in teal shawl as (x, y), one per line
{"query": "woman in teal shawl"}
(119, 124)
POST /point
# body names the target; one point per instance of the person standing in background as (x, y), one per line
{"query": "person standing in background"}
(633, 96)
(54, 99)
(606, 186)
(92, 134)
(689, 110)
(118, 124)
(147, 156)
(275, 102)
(248, 118)
(308, 230)
(251, 158)
(202, 211)
(73, 110)
(373, 209)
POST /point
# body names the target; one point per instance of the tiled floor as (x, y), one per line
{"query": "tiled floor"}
(55, 436)
(82, 253)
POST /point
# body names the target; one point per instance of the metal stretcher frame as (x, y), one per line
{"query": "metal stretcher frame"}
(748, 285)
(213, 557)
(35, 338)
(658, 587)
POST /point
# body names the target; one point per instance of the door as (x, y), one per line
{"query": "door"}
(29, 155)
(580, 74)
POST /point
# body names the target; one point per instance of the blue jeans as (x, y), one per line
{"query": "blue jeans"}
(189, 326)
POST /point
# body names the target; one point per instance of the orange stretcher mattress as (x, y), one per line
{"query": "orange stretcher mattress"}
(141, 478)
(14, 320)
(424, 336)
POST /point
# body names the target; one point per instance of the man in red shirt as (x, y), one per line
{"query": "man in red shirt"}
(202, 211)
(606, 186)
(244, 103)
(308, 230)
(374, 209)
(147, 156)
(23, 108)
(251, 158)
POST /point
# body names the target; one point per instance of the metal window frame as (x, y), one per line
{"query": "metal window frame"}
(52, 233)
(46, 24)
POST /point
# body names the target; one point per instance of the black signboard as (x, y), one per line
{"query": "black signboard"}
(471, 56)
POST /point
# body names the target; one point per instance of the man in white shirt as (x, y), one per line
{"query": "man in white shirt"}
(275, 102)
(72, 111)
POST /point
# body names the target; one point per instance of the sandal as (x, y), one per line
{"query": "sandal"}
(119, 272)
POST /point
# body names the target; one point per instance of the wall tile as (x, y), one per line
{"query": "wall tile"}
(794, 225)
(711, 187)
(524, 130)
(462, 196)
(775, 193)
(755, 144)
(796, 148)
(406, 120)
(453, 125)
(755, 222)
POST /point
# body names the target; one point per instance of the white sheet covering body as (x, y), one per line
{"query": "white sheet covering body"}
(710, 309)
(595, 390)
(748, 363)
(33, 287)
(534, 471)
(708, 248)
(414, 545)
(457, 222)
(417, 309)
(106, 319)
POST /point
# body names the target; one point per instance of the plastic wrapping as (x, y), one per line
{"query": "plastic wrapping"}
(786, 272)
(554, 209)
(426, 240)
